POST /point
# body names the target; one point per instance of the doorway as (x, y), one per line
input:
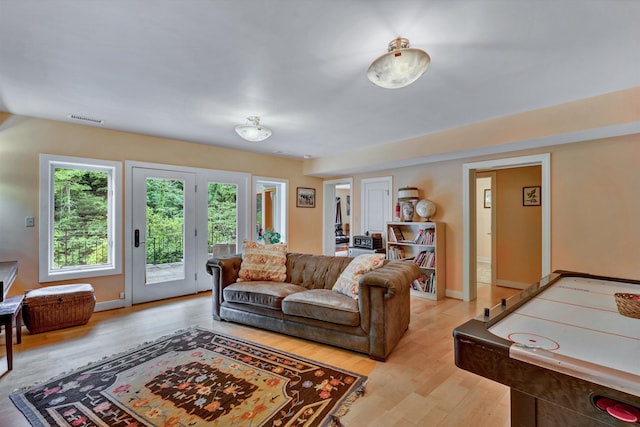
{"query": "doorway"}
(485, 229)
(270, 208)
(470, 171)
(337, 216)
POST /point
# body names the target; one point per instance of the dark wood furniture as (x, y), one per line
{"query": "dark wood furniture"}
(10, 308)
(8, 272)
(10, 313)
(550, 395)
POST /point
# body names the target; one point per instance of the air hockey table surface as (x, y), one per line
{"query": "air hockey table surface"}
(562, 332)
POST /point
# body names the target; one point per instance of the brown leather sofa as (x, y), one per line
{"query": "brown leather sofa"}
(305, 306)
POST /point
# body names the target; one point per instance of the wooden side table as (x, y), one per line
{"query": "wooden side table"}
(10, 312)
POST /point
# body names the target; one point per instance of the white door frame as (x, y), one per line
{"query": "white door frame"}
(329, 213)
(469, 215)
(280, 217)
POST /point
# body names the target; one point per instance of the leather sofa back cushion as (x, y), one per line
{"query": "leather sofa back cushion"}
(263, 262)
(315, 271)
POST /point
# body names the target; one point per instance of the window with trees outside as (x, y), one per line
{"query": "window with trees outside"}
(80, 218)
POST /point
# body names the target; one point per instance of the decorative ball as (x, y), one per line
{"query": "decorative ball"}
(426, 208)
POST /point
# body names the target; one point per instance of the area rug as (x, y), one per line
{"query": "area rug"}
(195, 377)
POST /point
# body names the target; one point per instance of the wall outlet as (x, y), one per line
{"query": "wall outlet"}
(29, 221)
(121, 295)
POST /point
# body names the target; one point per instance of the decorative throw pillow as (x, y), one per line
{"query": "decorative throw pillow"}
(347, 283)
(263, 262)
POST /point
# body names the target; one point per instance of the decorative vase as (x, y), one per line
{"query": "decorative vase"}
(407, 211)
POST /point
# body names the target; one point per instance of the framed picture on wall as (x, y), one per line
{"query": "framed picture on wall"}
(487, 198)
(531, 196)
(305, 197)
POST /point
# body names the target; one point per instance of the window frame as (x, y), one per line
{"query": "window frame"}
(48, 164)
(282, 188)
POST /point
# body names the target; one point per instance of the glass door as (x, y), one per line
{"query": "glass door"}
(164, 233)
(222, 224)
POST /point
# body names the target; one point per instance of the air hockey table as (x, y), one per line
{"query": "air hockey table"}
(568, 355)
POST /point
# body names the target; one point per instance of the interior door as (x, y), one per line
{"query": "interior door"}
(164, 230)
(376, 204)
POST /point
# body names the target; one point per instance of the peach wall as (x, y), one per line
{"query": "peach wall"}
(22, 139)
(518, 228)
(594, 205)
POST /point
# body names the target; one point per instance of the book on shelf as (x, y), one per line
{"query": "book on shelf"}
(418, 285)
(425, 283)
(426, 259)
(395, 253)
(395, 234)
(425, 237)
(391, 235)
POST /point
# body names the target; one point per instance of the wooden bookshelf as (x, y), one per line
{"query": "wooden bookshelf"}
(424, 244)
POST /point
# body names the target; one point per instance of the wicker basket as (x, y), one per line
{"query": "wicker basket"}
(57, 307)
(628, 304)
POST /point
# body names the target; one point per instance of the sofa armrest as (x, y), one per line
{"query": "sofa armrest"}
(224, 271)
(385, 306)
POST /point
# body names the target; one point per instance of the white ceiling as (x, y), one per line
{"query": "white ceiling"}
(193, 69)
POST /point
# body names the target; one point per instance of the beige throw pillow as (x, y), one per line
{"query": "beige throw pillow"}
(263, 262)
(347, 283)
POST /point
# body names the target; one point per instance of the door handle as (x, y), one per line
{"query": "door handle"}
(136, 238)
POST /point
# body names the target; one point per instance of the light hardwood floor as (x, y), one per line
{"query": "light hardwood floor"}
(418, 385)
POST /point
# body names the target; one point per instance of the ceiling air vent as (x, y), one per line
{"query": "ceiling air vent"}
(85, 119)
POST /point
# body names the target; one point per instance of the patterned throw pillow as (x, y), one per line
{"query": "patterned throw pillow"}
(263, 262)
(347, 283)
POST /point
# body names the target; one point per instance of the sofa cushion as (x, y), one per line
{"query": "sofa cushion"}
(347, 283)
(263, 262)
(261, 294)
(322, 304)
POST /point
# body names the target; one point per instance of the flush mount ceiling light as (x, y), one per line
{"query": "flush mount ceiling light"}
(252, 131)
(400, 66)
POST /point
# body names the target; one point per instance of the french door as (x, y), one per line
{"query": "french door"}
(164, 234)
(178, 217)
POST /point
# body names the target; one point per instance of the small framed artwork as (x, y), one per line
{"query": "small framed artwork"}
(305, 197)
(531, 196)
(487, 198)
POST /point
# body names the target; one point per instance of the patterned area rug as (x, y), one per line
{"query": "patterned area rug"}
(195, 378)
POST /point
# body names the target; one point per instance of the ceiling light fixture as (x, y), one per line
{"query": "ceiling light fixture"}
(400, 66)
(252, 131)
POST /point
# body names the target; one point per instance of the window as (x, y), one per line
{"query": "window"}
(80, 218)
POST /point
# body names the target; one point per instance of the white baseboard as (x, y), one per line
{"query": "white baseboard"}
(510, 284)
(109, 305)
(453, 294)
